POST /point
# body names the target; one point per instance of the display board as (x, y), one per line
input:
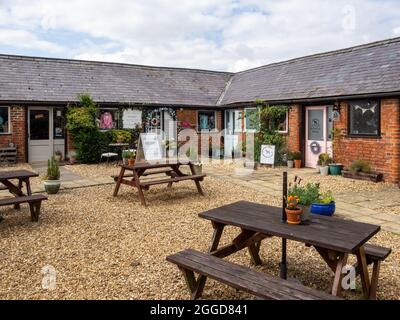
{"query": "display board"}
(151, 146)
(131, 118)
(267, 154)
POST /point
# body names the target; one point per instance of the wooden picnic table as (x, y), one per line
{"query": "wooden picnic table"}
(23, 176)
(333, 238)
(171, 169)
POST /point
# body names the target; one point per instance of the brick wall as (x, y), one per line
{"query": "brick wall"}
(295, 125)
(17, 132)
(383, 153)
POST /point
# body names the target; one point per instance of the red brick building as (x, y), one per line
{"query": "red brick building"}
(355, 90)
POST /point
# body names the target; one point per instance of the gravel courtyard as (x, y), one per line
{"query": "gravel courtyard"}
(113, 248)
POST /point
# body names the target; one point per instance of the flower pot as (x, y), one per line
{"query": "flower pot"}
(297, 164)
(323, 209)
(290, 164)
(125, 161)
(335, 169)
(131, 162)
(52, 186)
(293, 216)
(324, 171)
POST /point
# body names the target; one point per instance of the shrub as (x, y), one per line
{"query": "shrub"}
(360, 166)
(121, 135)
(53, 170)
(90, 144)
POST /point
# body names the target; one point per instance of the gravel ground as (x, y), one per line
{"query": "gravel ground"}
(113, 248)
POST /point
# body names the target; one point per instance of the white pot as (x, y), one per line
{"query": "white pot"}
(290, 164)
(324, 171)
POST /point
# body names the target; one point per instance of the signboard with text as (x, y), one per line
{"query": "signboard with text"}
(151, 143)
(131, 118)
(267, 154)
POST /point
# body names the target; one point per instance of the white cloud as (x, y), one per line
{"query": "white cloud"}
(224, 35)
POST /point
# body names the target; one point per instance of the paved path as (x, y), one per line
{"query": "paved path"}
(360, 206)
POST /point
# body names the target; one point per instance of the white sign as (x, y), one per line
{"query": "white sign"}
(151, 143)
(131, 118)
(267, 154)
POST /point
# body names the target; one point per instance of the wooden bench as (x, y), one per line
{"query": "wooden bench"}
(34, 202)
(258, 284)
(172, 180)
(375, 255)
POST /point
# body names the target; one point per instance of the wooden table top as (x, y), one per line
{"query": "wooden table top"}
(326, 232)
(15, 174)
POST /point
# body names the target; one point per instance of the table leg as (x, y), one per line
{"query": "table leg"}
(201, 281)
(197, 182)
(118, 184)
(337, 281)
(28, 187)
(139, 187)
(362, 263)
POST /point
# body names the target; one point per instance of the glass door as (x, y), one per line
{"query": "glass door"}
(39, 137)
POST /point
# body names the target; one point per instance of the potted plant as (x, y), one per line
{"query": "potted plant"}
(297, 159)
(293, 211)
(361, 170)
(308, 194)
(335, 169)
(131, 159)
(52, 182)
(325, 160)
(325, 205)
(290, 160)
(126, 154)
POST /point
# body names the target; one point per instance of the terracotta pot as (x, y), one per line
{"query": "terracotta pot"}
(293, 216)
(131, 162)
(297, 164)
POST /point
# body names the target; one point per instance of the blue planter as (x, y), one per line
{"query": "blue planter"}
(323, 209)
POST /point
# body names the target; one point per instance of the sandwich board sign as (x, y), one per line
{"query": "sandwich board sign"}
(151, 143)
(267, 155)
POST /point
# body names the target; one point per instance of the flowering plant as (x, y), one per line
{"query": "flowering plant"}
(293, 202)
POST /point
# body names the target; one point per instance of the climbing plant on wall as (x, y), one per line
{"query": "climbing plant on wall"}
(269, 118)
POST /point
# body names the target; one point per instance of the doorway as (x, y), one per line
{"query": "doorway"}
(46, 133)
(319, 124)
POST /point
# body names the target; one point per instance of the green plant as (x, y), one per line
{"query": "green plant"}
(325, 198)
(308, 194)
(290, 156)
(126, 154)
(324, 159)
(121, 136)
(133, 155)
(296, 155)
(53, 170)
(360, 166)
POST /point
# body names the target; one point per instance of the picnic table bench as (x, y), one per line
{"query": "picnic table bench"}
(256, 283)
(20, 197)
(170, 169)
(333, 238)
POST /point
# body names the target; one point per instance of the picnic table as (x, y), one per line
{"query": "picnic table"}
(333, 238)
(172, 169)
(23, 176)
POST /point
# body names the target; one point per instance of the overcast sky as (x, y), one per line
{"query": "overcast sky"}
(227, 35)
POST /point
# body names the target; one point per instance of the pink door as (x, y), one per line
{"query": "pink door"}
(318, 135)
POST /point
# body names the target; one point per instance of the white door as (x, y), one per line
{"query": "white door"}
(233, 128)
(318, 133)
(46, 132)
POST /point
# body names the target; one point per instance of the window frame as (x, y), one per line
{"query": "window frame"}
(286, 131)
(215, 121)
(364, 135)
(117, 119)
(9, 121)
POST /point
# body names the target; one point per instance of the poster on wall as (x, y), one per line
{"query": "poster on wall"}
(131, 118)
(151, 143)
(267, 155)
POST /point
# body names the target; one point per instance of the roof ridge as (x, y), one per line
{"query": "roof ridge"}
(224, 91)
(327, 53)
(106, 63)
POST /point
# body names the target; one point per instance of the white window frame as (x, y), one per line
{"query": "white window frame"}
(215, 121)
(287, 124)
(245, 120)
(9, 121)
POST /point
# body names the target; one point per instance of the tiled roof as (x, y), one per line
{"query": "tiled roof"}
(367, 69)
(50, 80)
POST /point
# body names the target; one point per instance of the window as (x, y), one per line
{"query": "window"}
(364, 119)
(206, 121)
(108, 119)
(281, 124)
(4, 120)
(252, 120)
